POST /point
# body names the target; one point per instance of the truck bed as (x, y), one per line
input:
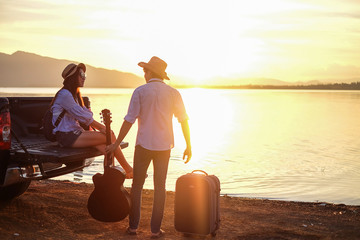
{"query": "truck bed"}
(51, 159)
(43, 150)
(31, 156)
(26, 129)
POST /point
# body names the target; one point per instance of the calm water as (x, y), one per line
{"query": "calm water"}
(277, 144)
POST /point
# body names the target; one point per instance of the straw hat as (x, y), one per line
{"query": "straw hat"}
(156, 65)
(71, 69)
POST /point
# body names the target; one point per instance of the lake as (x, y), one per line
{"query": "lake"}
(294, 145)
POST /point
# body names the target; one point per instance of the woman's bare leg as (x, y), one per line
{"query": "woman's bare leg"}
(89, 139)
(98, 140)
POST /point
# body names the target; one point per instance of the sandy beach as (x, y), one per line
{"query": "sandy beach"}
(57, 210)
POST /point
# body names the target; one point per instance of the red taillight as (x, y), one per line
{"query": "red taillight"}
(5, 126)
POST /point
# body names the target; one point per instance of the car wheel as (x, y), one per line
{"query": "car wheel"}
(14, 190)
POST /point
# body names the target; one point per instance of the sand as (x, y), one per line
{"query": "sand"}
(57, 210)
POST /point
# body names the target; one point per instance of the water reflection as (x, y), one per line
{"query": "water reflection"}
(294, 145)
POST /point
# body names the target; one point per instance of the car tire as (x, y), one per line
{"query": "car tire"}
(14, 190)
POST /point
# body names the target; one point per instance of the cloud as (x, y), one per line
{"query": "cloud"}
(28, 11)
(336, 71)
(354, 15)
(211, 37)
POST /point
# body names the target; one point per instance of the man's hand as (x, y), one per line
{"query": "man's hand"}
(110, 148)
(188, 154)
(186, 132)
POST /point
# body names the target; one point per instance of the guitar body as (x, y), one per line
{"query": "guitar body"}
(109, 202)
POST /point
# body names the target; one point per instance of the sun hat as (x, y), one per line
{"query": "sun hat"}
(71, 69)
(156, 65)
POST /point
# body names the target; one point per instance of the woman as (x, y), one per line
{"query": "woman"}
(69, 132)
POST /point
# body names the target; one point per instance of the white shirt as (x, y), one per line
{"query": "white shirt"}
(154, 104)
(74, 113)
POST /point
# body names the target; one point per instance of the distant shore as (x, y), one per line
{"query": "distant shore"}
(57, 210)
(332, 86)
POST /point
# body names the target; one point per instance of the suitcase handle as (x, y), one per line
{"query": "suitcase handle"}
(200, 171)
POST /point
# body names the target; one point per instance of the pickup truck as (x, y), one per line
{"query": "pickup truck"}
(25, 154)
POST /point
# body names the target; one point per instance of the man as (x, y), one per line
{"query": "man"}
(153, 104)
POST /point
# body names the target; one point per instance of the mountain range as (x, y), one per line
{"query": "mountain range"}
(22, 69)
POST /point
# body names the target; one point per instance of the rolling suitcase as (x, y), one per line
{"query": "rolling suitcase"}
(197, 205)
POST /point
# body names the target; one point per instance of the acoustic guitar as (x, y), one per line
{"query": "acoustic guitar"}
(109, 202)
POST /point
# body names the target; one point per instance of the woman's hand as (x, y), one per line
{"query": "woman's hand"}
(98, 126)
(102, 130)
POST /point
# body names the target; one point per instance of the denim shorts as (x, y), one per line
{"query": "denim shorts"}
(67, 139)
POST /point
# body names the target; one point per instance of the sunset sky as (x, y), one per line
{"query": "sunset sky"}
(290, 40)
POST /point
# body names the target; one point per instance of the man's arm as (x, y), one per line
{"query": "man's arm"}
(186, 132)
(125, 127)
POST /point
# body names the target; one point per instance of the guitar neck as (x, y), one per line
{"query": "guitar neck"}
(109, 158)
(108, 134)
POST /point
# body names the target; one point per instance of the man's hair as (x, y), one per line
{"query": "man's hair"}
(155, 75)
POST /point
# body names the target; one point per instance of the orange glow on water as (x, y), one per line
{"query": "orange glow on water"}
(210, 119)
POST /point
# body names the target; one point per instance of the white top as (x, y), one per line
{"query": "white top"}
(74, 113)
(154, 104)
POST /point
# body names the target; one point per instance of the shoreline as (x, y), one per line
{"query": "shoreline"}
(53, 209)
(285, 200)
